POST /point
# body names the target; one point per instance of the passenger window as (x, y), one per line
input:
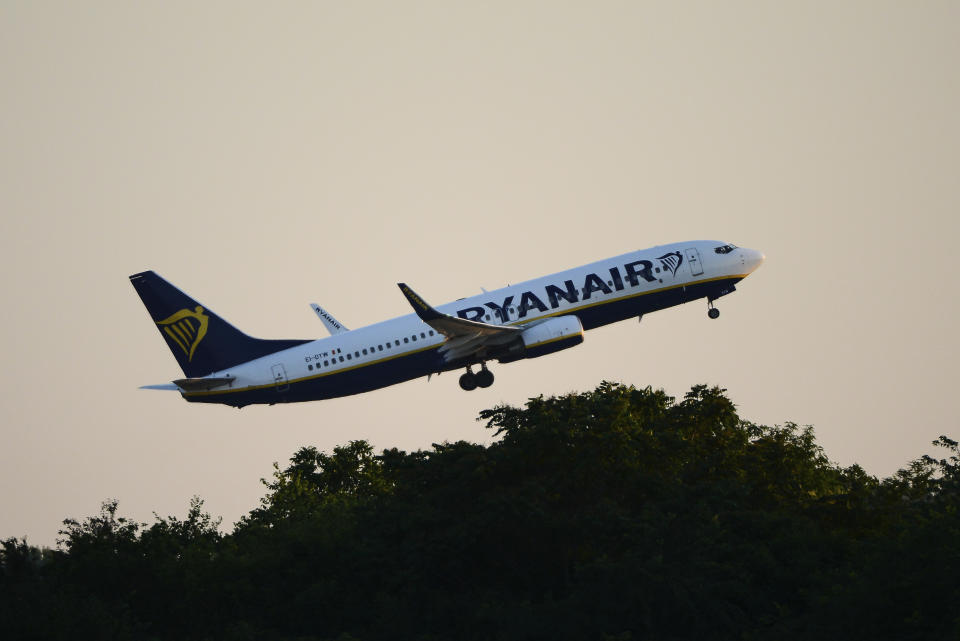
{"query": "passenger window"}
(397, 342)
(406, 340)
(357, 354)
(364, 351)
(325, 363)
(422, 335)
(349, 357)
(414, 337)
(310, 367)
(341, 359)
(379, 348)
(431, 332)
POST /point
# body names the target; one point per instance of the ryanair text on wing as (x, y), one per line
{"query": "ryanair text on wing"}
(416, 299)
(330, 319)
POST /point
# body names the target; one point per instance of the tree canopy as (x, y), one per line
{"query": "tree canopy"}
(618, 513)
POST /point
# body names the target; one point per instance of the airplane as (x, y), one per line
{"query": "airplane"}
(534, 318)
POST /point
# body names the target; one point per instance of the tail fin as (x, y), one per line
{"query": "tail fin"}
(201, 341)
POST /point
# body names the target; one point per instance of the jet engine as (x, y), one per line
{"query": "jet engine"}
(544, 338)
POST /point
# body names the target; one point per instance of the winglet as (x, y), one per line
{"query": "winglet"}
(332, 324)
(420, 306)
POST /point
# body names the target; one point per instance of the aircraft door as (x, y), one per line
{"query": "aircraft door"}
(693, 259)
(280, 378)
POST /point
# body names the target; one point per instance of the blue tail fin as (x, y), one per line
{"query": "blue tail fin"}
(201, 341)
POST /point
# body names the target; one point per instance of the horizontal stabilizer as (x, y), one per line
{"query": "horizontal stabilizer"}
(203, 384)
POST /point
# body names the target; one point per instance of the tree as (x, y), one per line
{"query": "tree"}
(616, 513)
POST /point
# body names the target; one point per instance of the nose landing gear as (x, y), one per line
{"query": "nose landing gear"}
(470, 381)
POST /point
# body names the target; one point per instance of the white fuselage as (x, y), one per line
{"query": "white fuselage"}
(406, 347)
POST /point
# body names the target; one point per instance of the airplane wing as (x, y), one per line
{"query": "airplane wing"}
(332, 324)
(464, 337)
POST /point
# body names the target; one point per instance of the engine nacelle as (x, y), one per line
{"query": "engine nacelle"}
(545, 338)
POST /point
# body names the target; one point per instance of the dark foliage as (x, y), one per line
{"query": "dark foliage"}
(613, 514)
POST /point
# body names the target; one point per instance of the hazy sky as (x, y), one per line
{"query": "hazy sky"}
(265, 155)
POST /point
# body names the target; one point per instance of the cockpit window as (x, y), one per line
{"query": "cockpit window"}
(725, 249)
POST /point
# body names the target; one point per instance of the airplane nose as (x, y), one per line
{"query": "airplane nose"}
(753, 259)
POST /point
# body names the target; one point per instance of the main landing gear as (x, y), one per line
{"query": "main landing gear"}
(470, 381)
(712, 311)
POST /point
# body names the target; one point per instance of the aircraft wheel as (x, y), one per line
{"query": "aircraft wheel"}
(713, 312)
(468, 381)
(484, 378)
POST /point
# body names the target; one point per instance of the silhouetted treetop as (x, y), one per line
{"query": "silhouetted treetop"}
(617, 513)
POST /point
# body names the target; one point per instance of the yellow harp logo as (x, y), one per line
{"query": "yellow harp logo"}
(186, 329)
